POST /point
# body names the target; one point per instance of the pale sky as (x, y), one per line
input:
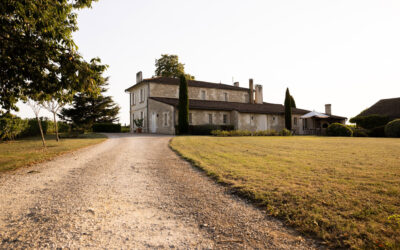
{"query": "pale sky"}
(343, 52)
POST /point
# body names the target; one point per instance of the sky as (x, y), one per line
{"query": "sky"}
(342, 52)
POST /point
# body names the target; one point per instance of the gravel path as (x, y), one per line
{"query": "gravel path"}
(130, 192)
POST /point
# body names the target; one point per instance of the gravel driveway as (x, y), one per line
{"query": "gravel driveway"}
(130, 192)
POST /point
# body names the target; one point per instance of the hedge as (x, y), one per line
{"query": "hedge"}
(32, 128)
(107, 127)
(370, 121)
(338, 129)
(392, 129)
(205, 129)
(11, 127)
(271, 132)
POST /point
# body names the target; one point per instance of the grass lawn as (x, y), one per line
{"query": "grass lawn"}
(18, 153)
(345, 191)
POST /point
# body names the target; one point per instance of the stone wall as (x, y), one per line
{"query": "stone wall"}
(138, 106)
(161, 118)
(172, 91)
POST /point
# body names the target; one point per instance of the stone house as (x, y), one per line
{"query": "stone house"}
(155, 100)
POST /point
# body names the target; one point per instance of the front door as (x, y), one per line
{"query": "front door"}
(153, 123)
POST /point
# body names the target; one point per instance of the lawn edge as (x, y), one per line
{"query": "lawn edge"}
(249, 197)
(32, 163)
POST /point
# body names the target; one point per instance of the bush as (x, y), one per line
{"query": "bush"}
(370, 121)
(392, 129)
(243, 133)
(285, 132)
(63, 127)
(32, 129)
(338, 129)
(205, 129)
(359, 133)
(11, 126)
(107, 127)
(271, 132)
(377, 132)
(125, 129)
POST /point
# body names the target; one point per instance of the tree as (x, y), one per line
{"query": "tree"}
(183, 106)
(292, 102)
(288, 110)
(53, 105)
(169, 66)
(88, 108)
(37, 53)
(36, 106)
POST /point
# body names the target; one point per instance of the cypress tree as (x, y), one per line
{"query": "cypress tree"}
(288, 110)
(183, 107)
(293, 103)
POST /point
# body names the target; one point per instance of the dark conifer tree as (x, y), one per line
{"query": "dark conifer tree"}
(288, 110)
(183, 108)
(88, 109)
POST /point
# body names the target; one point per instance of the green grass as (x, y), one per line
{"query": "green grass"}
(345, 191)
(19, 153)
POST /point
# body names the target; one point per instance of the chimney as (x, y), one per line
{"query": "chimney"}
(259, 94)
(251, 91)
(236, 84)
(139, 77)
(328, 109)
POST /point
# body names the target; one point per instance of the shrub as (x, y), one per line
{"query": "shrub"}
(359, 133)
(11, 126)
(243, 133)
(285, 132)
(32, 128)
(107, 127)
(271, 132)
(63, 127)
(338, 129)
(370, 121)
(377, 132)
(392, 129)
(125, 129)
(206, 129)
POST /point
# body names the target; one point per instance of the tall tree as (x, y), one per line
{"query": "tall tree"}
(36, 106)
(37, 53)
(169, 66)
(288, 110)
(183, 106)
(292, 102)
(88, 108)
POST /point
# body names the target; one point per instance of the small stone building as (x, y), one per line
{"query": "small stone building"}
(155, 100)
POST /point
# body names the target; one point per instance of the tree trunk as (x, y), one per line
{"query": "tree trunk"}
(56, 126)
(41, 131)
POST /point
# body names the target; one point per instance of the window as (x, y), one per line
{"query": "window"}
(133, 120)
(226, 97)
(225, 119)
(141, 115)
(273, 118)
(203, 94)
(141, 95)
(165, 119)
(133, 98)
(190, 118)
(295, 121)
(305, 124)
(210, 120)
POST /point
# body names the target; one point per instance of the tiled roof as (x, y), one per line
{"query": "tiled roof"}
(191, 83)
(387, 107)
(265, 108)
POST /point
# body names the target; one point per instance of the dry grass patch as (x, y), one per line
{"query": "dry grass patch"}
(344, 190)
(14, 154)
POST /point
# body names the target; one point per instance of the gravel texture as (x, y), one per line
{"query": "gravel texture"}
(130, 192)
